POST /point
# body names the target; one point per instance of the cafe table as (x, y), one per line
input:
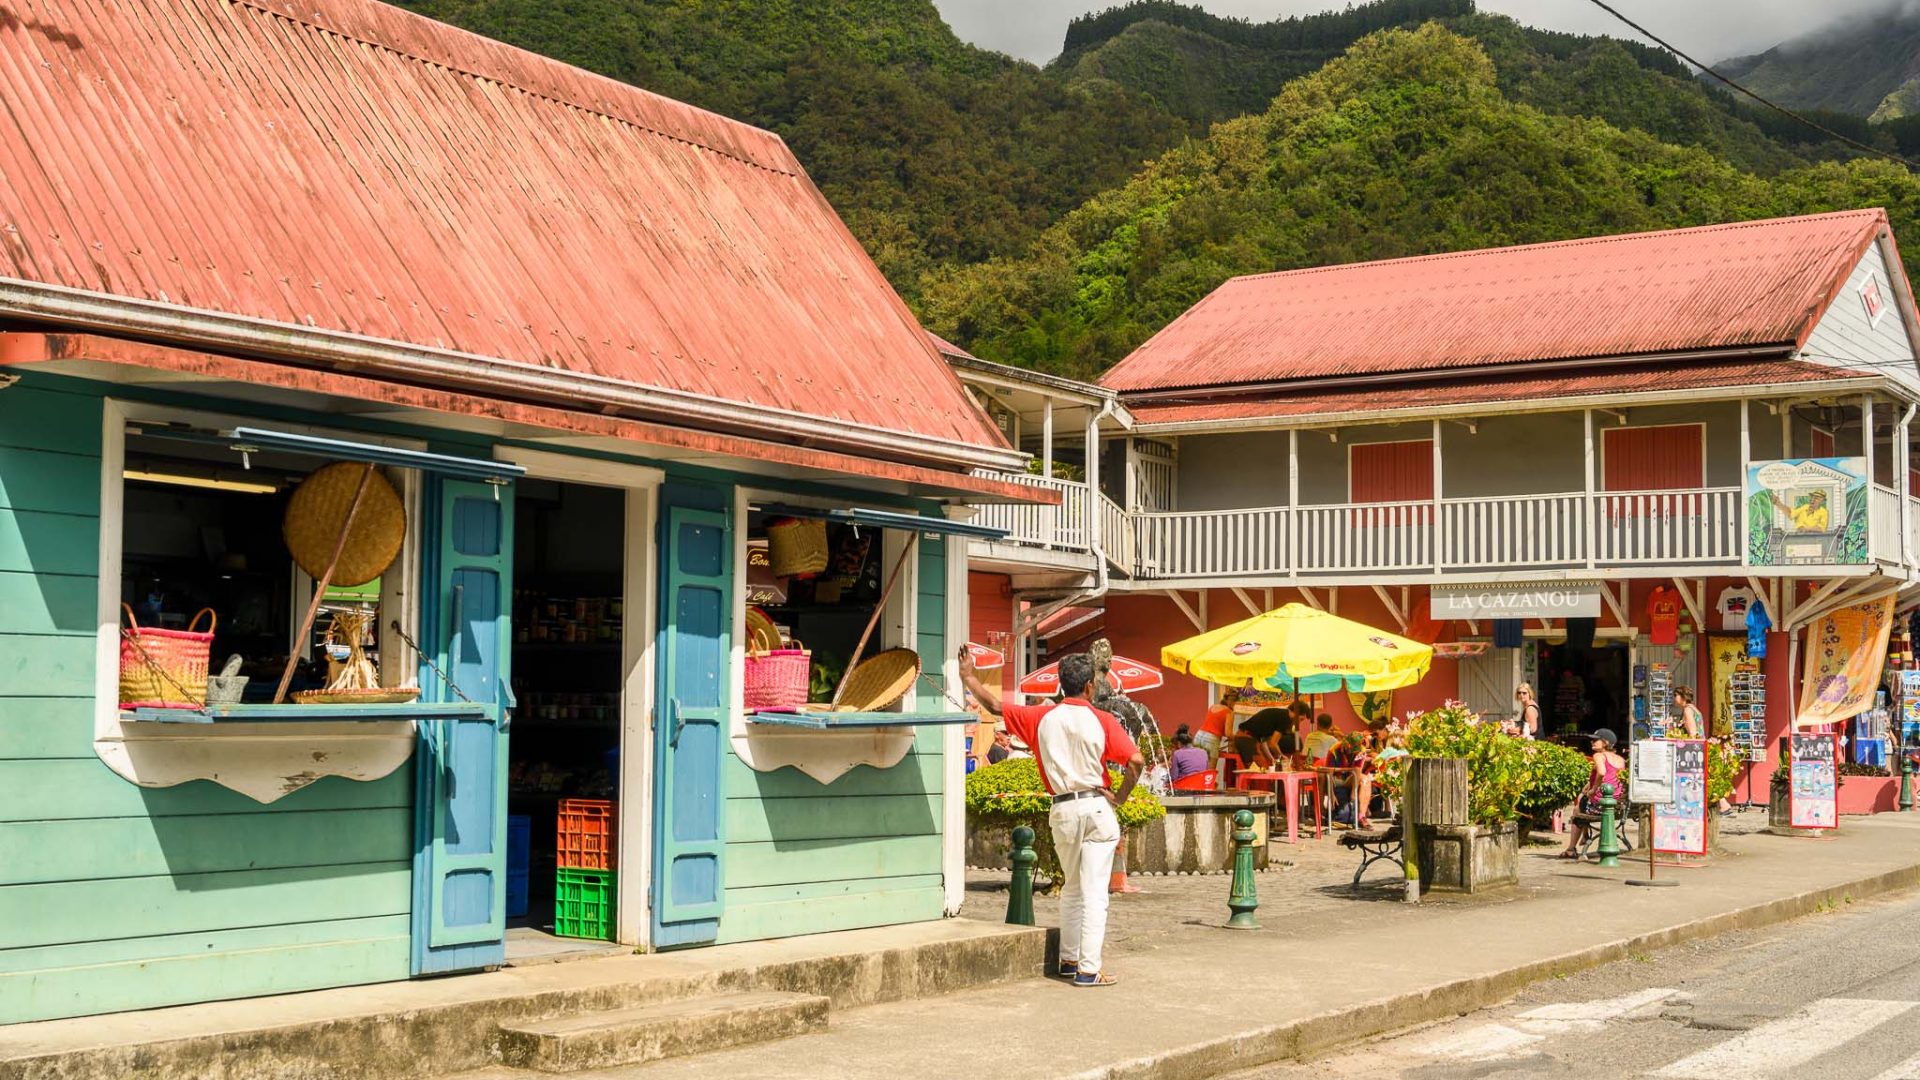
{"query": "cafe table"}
(1289, 791)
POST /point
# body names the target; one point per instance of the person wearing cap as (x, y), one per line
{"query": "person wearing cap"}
(1073, 743)
(1608, 768)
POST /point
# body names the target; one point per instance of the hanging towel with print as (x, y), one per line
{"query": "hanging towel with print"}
(1758, 623)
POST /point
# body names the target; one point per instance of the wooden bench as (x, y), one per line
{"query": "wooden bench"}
(1375, 844)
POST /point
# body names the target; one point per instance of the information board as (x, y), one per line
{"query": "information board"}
(1910, 708)
(1680, 826)
(1650, 771)
(1812, 796)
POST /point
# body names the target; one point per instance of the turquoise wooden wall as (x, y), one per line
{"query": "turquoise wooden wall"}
(114, 896)
(805, 857)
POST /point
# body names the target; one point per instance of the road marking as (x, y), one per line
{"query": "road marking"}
(1785, 1044)
(1906, 1070)
(1484, 1043)
(1589, 1015)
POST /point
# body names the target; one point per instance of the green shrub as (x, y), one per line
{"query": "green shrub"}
(1011, 794)
(1723, 763)
(1557, 776)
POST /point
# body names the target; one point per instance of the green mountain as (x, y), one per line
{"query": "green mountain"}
(1867, 66)
(1206, 67)
(936, 152)
(1412, 142)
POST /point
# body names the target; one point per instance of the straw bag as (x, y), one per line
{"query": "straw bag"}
(797, 547)
(164, 669)
(776, 680)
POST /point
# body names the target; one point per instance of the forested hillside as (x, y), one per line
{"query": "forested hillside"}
(1406, 145)
(1867, 66)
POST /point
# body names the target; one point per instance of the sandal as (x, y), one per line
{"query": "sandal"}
(1099, 978)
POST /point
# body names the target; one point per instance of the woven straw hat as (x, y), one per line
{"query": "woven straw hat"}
(319, 507)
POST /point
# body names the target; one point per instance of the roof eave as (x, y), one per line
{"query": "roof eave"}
(1509, 408)
(487, 376)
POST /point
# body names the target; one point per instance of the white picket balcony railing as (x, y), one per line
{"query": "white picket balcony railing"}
(1883, 523)
(1062, 527)
(1698, 527)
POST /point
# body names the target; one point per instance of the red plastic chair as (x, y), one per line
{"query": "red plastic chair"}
(1230, 764)
(1200, 781)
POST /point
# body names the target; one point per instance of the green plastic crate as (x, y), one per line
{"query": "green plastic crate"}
(583, 903)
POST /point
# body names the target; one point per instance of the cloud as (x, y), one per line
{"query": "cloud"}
(1708, 29)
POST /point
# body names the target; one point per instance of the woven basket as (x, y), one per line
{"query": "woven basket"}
(776, 680)
(797, 547)
(317, 510)
(763, 635)
(164, 669)
(880, 680)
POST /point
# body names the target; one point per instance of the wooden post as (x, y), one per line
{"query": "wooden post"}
(1046, 438)
(1293, 504)
(1592, 529)
(1096, 532)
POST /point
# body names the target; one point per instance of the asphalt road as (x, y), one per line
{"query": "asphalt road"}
(1833, 996)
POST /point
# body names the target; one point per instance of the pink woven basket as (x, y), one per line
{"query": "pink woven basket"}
(164, 669)
(776, 680)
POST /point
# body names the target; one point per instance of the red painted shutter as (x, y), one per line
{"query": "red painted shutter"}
(1392, 472)
(1822, 443)
(1654, 458)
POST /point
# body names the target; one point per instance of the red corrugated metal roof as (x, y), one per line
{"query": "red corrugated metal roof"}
(348, 166)
(1412, 397)
(1753, 283)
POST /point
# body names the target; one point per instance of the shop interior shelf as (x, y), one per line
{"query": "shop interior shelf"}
(290, 713)
(861, 719)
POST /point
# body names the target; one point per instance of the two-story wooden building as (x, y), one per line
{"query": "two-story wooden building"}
(1595, 435)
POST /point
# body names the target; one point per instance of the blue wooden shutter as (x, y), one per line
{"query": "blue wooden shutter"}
(459, 914)
(691, 729)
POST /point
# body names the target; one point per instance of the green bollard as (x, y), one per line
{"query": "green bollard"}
(1609, 842)
(1906, 780)
(1020, 890)
(1241, 899)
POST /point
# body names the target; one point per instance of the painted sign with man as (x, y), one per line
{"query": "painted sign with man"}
(1807, 511)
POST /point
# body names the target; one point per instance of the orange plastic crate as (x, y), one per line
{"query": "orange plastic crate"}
(585, 834)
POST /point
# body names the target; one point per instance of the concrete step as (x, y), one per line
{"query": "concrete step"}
(600, 1040)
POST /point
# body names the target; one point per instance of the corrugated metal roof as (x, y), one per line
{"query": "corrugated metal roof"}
(1413, 397)
(348, 166)
(1721, 286)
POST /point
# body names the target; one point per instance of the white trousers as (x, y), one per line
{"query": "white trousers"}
(1085, 833)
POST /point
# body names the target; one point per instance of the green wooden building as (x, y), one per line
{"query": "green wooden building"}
(593, 347)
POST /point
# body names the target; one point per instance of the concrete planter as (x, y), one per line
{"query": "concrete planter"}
(1196, 837)
(1469, 858)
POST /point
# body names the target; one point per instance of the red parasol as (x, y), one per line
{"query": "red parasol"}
(985, 659)
(1127, 676)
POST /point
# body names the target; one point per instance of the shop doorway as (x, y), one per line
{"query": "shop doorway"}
(1584, 688)
(570, 669)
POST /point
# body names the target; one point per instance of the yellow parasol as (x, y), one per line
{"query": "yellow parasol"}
(1301, 650)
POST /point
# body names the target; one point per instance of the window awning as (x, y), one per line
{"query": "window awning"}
(888, 519)
(244, 440)
(840, 720)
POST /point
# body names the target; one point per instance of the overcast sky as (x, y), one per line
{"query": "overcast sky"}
(1708, 29)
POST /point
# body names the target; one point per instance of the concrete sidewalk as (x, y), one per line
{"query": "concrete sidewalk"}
(1327, 967)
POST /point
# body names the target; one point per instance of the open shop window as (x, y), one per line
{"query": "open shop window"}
(830, 633)
(259, 599)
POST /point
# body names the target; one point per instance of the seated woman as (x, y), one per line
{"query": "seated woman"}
(1608, 768)
(1188, 759)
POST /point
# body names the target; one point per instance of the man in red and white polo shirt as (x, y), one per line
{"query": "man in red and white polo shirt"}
(1072, 743)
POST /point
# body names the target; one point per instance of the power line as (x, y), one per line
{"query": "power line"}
(1781, 109)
